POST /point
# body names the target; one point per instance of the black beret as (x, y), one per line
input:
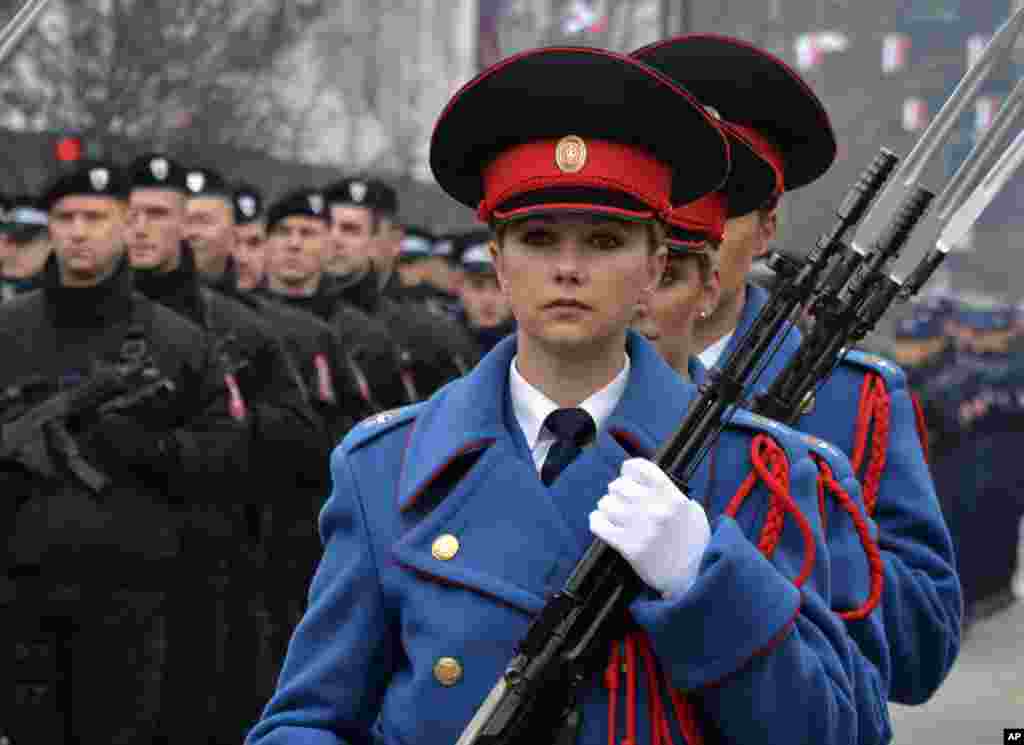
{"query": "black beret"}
(371, 193)
(301, 203)
(157, 171)
(204, 182)
(91, 178)
(248, 202)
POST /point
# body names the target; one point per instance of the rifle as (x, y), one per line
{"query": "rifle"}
(110, 388)
(535, 697)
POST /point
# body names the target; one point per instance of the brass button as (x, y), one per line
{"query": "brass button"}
(445, 547)
(448, 671)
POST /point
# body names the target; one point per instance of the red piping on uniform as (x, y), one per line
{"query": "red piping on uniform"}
(568, 206)
(922, 427)
(826, 480)
(467, 448)
(874, 408)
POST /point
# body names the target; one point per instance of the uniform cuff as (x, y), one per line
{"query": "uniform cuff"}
(739, 606)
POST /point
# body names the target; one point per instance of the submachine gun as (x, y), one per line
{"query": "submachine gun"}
(30, 433)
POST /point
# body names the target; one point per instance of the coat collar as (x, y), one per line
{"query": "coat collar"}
(469, 414)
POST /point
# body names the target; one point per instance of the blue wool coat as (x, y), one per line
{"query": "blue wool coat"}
(762, 661)
(921, 602)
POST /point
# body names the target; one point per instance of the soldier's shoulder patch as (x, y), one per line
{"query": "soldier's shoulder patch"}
(381, 423)
(750, 420)
(875, 363)
(823, 447)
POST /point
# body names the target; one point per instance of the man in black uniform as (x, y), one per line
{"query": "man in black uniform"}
(250, 249)
(101, 500)
(364, 230)
(485, 310)
(297, 227)
(266, 395)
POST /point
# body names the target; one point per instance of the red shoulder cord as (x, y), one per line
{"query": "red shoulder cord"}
(771, 467)
(827, 482)
(922, 427)
(874, 408)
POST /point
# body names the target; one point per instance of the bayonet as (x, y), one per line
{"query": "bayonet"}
(909, 172)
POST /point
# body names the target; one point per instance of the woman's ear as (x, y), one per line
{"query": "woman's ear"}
(712, 292)
(657, 261)
(497, 256)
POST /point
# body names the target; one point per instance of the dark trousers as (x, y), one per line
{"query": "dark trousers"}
(82, 664)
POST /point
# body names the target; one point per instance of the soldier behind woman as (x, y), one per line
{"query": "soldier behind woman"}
(96, 575)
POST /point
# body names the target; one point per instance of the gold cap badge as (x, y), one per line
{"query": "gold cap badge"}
(571, 154)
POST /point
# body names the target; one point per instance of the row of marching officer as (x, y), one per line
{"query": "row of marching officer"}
(963, 361)
(798, 583)
(180, 362)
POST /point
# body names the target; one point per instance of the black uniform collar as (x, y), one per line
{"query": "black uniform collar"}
(321, 303)
(227, 282)
(177, 289)
(360, 289)
(79, 307)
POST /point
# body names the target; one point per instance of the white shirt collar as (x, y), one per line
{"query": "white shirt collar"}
(531, 407)
(710, 356)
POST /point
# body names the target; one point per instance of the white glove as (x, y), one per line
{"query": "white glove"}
(660, 531)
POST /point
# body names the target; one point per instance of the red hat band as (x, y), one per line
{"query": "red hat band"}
(705, 216)
(575, 163)
(766, 150)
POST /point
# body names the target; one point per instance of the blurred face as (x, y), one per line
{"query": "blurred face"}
(573, 282)
(156, 227)
(87, 234)
(6, 248)
(250, 254)
(413, 272)
(29, 256)
(746, 238)
(210, 230)
(991, 341)
(297, 248)
(442, 275)
(914, 352)
(486, 306)
(352, 240)
(668, 318)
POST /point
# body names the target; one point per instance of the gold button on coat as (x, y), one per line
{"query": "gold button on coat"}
(448, 671)
(445, 547)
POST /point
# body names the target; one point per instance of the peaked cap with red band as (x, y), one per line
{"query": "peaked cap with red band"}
(699, 225)
(576, 129)
(776, 110)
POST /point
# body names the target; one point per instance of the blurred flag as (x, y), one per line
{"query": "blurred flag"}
(895, 50)
(581, 17)
(812, 47)
(984, 112)
(488, 46)
(915, 114)
(808, 54)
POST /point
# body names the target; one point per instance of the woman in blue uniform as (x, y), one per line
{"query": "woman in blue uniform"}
(452, 520)
(782, 118)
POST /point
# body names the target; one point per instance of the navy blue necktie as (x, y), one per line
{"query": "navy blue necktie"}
(573, 428)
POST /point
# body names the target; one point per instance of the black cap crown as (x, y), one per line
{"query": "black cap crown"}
(94, 178)
(158, 171)
(371, 193)
(300, 203)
